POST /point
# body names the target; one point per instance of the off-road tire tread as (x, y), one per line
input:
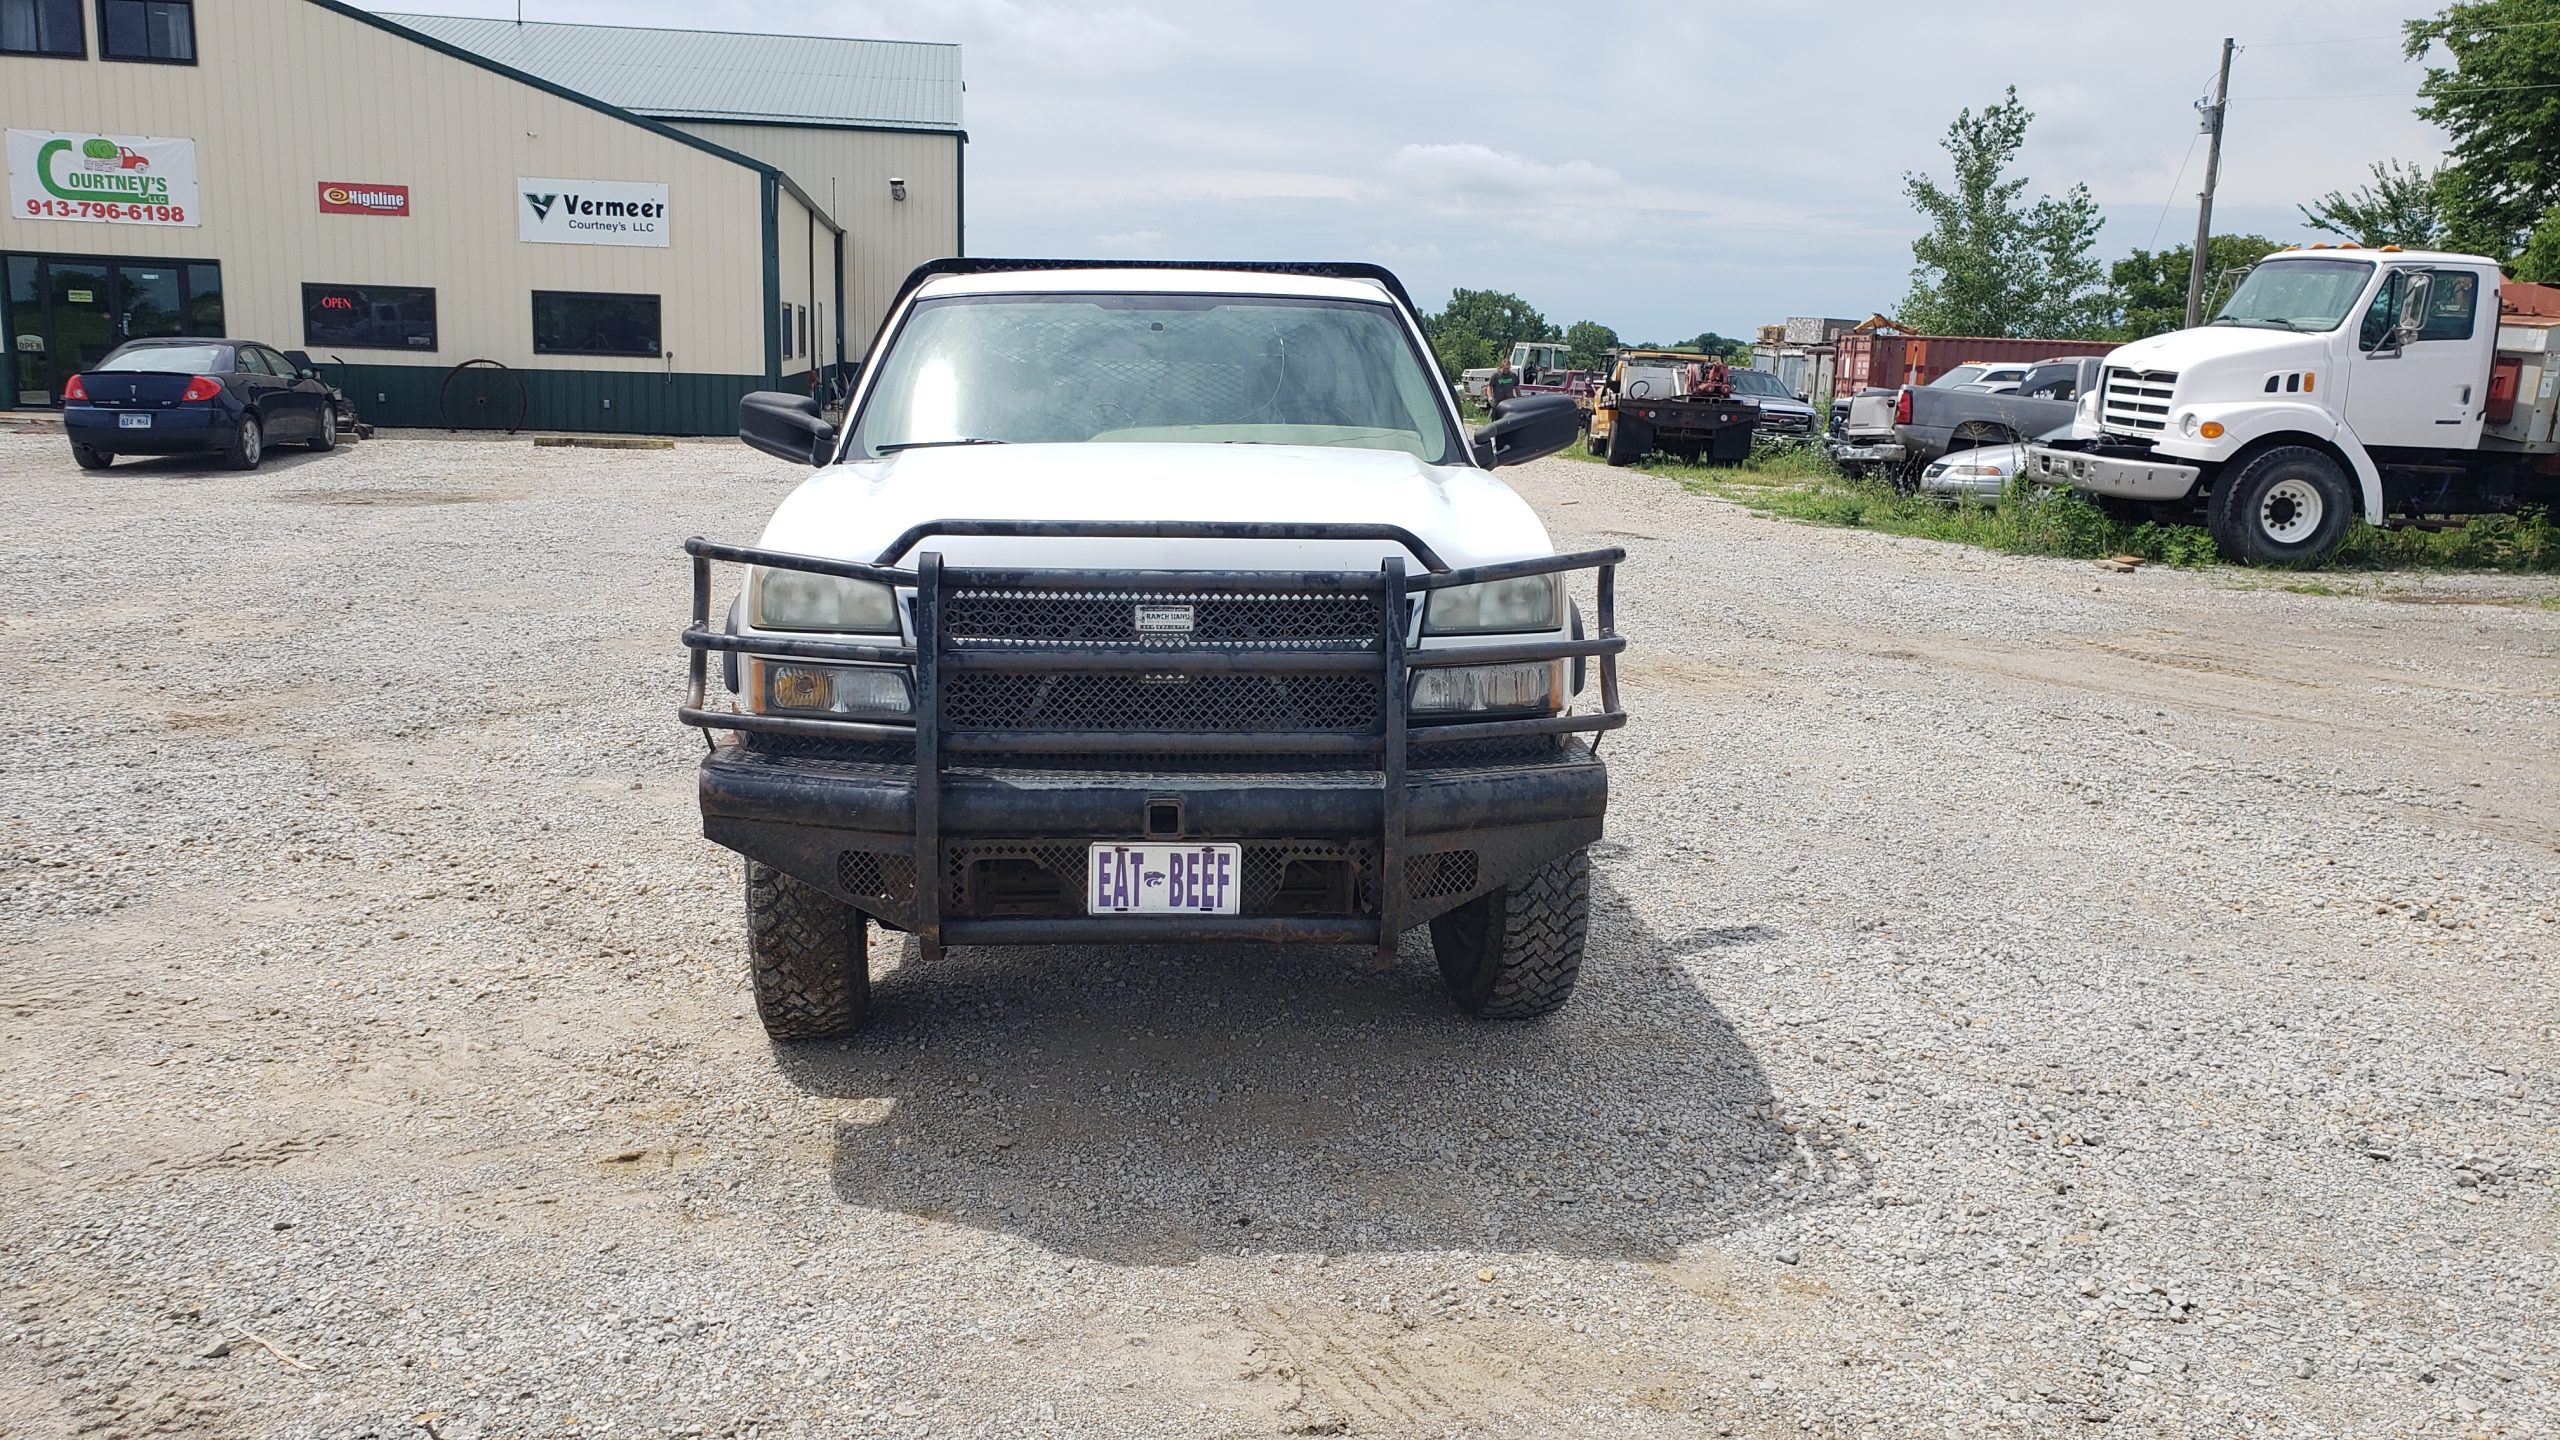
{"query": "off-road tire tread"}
(1542, 923)
(807, 956)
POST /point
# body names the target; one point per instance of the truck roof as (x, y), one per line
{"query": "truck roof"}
(2370, 252)
(1316, 280)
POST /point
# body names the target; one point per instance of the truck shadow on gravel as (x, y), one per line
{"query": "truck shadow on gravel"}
(1155, 1104)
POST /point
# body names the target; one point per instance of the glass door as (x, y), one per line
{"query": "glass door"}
(81, 314)
(25, 359)
(149, 302)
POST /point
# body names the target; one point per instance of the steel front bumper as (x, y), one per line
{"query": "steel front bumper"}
(850, 828)
(2132, 479)
(1845, 451)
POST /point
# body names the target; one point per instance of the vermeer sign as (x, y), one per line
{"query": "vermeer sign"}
(591, 212)
(122, 179)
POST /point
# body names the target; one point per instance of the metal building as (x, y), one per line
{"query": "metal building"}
(638, 225)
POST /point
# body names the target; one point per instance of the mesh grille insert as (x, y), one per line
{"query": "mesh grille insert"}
(974, 701)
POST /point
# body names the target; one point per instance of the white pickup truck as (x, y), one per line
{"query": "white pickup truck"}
(1153, 603)
(2337, 381)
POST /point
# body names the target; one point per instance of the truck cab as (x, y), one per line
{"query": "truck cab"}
(2337, 382)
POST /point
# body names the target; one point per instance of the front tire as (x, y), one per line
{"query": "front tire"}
(91, 458)
(248, 445)
(326, 438)
(2288, 505)
(1514, 954)
(808, 955)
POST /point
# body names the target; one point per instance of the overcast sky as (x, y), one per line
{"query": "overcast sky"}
(1700, 167)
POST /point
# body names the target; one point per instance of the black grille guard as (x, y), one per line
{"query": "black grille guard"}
(1391, 661)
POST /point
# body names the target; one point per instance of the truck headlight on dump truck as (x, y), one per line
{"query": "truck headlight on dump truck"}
(846, 691)
(1496, 607)
(799, 600)
(1531, 686)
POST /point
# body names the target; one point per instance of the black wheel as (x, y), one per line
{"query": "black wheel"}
(248, 445)
(809, 956)
(1593, 444)
(481, 395)
(2289, 504)
(327, 438)
(1515, 953)
(92, 458)
(1628, 441)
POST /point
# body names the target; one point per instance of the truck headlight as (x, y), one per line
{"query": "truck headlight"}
(790, 687)
(1496, 607)
(1532, 686)
(799, 600)
(2187, 423)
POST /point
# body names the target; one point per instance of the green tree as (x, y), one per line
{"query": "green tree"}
(2539, 261)
(2498, 103)
(2148, 291)
(1478, 327)
(1591, 342)
(1710, 343)
(1990, 265)
(2402, 206)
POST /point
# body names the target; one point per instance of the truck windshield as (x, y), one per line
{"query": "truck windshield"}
(1760, 382)
(2311, 296)
(1197, 369)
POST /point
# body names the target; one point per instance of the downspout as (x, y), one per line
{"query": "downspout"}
(960, 196)
(772, 280)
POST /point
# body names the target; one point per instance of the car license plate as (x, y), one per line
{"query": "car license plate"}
(1163, 879)
(134, 422)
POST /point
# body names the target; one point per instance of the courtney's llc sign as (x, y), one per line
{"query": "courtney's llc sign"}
(591, 212)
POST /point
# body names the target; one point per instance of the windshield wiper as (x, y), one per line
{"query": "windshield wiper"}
(930, 444)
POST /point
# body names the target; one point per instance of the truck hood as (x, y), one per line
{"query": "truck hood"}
(856, 511)
(2241, 347)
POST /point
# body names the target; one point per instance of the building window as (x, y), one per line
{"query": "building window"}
(569, 322)
(369, 317)
(803, 351)
(158, 30)
(42, 27)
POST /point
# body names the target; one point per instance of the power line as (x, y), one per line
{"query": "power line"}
(2454, 91)
(2173, 190)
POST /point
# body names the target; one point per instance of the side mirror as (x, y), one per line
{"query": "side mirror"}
(300, 360)
(1526, 428)
(786, 426)
(2419, 289)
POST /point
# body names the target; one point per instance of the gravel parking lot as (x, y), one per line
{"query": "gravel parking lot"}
(2025, 1000)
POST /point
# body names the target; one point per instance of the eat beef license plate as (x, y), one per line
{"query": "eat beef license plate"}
(1163, 879)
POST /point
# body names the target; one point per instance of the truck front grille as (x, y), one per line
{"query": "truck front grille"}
(977, 619)
(2137, 400)
(1235, 703)
(1019, 620)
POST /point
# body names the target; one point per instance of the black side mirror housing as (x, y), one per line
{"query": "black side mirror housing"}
(300, 360)
(1526, 428)
(786, 426)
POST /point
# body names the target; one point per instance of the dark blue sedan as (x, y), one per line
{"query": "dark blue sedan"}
(178, 396)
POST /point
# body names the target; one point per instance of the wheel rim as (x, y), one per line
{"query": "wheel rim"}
(329, 424)
(249, 439)
(2291, 510)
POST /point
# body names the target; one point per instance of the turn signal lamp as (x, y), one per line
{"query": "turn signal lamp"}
(74, 390)
(2212, 430)
(202, 387)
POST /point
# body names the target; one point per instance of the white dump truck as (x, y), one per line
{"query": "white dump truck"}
(2337, 382)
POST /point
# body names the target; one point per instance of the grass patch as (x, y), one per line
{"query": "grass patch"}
(1796, 481)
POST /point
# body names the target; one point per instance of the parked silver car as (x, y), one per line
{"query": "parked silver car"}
(1979, 474)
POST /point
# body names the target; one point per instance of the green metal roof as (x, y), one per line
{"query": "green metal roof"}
(721, 74)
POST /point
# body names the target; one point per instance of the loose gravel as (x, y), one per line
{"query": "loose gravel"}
(2024, 1000)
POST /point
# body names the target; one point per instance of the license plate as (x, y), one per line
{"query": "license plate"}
(1163, 879)
(134, 422)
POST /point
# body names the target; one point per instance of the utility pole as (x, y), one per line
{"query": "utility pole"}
(2212, 172)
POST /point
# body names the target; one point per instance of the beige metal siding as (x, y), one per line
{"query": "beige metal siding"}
(287, 94)
(847, 172)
